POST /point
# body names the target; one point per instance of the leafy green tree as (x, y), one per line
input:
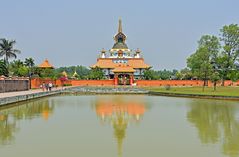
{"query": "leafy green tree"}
(230, 53)
(36, 72)
(14, 67)
(234, 75)
(23, 71)
(200, 65)
(7, 49)
(151, 75)
(29, 62)
(96, 74)
(184, 74)
(81, 71)
(3, 68)
(179, 76)
(16, 63)
(202, 61)
(215, 77)
(167, 74)
(48, 73)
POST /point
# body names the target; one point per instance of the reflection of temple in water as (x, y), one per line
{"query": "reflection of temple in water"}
(120, 113)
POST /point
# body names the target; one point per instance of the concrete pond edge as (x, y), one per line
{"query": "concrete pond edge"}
(15, 99)
(200, 96)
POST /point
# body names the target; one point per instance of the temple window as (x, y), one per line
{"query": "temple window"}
(120, 40)
(120, 61)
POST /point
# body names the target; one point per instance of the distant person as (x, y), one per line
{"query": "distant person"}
(43, 86)
(47, 87)
(50, 86)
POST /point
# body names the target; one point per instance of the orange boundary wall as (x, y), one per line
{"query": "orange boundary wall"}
(35, 83)
(181, 83)
(92, 82)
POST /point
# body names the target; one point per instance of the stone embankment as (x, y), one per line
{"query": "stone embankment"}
(14, 97)
(23, 96)
(107, 90)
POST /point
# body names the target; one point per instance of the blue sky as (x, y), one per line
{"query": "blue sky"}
(72, 32)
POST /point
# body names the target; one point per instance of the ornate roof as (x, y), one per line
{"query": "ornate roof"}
(109, 63)
(123, 68)
(45, 64)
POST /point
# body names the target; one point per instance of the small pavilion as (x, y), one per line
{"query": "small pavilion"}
(64, 74)
(46, 65)
(75, 75)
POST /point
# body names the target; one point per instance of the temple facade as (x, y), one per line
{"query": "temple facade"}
(121, 63)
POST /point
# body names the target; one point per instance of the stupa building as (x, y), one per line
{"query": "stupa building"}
(120, 63)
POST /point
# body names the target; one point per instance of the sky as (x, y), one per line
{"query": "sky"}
(72, 32)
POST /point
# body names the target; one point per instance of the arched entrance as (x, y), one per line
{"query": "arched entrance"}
(124, 78)
(124, 75)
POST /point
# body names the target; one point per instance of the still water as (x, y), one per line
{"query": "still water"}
(120, 126)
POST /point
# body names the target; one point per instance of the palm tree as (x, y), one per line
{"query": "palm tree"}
(3, 68)
(29, 62)
(7, 49)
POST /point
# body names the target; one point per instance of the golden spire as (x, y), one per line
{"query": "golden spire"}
(120, 26)
(64, 73)
(75, 74)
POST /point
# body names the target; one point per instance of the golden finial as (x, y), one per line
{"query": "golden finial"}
(120, 26)
(103, 50)
(137, 50)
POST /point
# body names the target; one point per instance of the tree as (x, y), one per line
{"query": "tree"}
(166, 74)
(47, 73)
(151, 75)
(184, 74)
(215, 77)
(200, 65)
(7, 49)
(3, 68)
(82, 71)
(15, 66)
(96, 74)
(230, 53)
(29, 62)
(23, 71)
(202, 61)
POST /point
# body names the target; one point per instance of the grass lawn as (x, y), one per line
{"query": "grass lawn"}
(220, 91)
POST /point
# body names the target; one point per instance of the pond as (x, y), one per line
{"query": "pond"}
(120, 126)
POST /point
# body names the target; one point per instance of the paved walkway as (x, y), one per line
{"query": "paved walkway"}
(19, 93)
